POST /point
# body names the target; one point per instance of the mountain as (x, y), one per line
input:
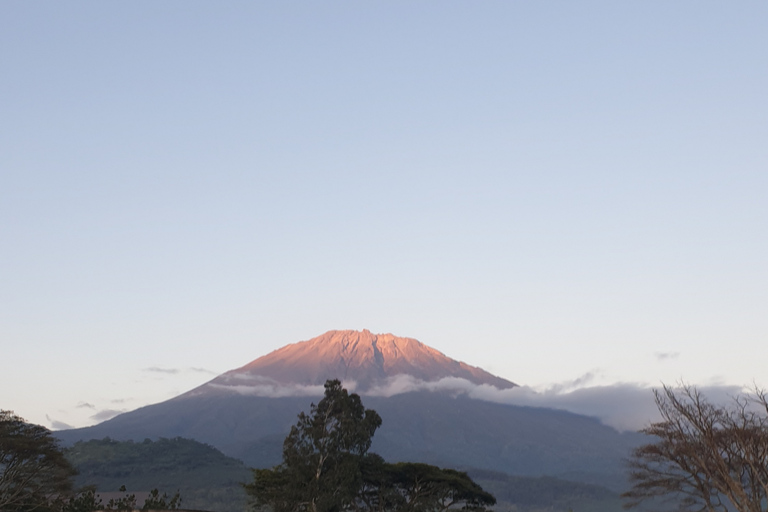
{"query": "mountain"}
(246, 413)
(361, 359)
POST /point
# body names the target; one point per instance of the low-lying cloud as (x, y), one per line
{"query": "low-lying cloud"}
(623, 406)
(257, 385)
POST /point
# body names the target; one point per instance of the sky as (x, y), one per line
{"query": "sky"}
(570, 195)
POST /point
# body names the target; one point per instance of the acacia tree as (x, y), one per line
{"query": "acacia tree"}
(33, 470)
(418, 487)
(708, 457)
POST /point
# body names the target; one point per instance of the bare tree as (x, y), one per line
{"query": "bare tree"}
(708, 457)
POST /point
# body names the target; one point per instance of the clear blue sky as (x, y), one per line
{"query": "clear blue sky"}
(543, 189)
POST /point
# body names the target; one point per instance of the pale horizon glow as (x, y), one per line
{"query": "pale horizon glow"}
(569, 196)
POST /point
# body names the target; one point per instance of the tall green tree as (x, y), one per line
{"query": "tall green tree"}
(33, 470)
(321, 457)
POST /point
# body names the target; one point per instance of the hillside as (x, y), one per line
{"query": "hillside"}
(205, 478)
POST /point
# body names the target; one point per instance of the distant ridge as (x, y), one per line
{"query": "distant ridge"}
(361, 357)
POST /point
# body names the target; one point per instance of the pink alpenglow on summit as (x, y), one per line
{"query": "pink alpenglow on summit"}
(367, 363)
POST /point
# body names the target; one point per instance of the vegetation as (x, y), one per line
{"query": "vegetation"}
(327, 468)
(90, 501)
(37, 476)
(707, 457)
(33, 470)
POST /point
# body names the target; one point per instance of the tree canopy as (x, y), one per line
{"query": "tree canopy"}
(327, 468)
(33, 470)
(707, 457)
(35, 475)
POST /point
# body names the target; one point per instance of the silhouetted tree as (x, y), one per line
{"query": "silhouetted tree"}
(707, 457)
(33, 471)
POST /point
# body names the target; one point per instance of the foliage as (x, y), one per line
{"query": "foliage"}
(155, 501)
(707, 457)
(327, 468)
(90, 501)
(86, 501)
(152, 502)
(34, 474)
(410, 486)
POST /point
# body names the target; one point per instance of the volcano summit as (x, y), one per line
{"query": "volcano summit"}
(365, 362)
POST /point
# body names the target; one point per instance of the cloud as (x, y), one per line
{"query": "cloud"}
(85, 405)
(570, 385)
(664, 356)
(624, 406)
(259, 385)
(155, 369)
(176, 371)
(202, 370)
(106, 414)
(120, 400)
(58, 425)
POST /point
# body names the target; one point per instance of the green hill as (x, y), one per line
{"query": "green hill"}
(206, 478)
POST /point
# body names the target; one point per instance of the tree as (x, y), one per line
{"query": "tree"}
(321, 456)
(708, 457)
(33, 470)
(327, 468)
(412, 486)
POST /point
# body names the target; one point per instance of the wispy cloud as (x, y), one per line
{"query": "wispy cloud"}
(106, 414)
(665, 356)
(58, 425)
(85, 405)
(202, 370)
(570, 385)
(155, 369)
(120, 400)
(176, 371)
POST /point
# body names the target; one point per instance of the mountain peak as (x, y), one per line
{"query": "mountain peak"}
(362, 357)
